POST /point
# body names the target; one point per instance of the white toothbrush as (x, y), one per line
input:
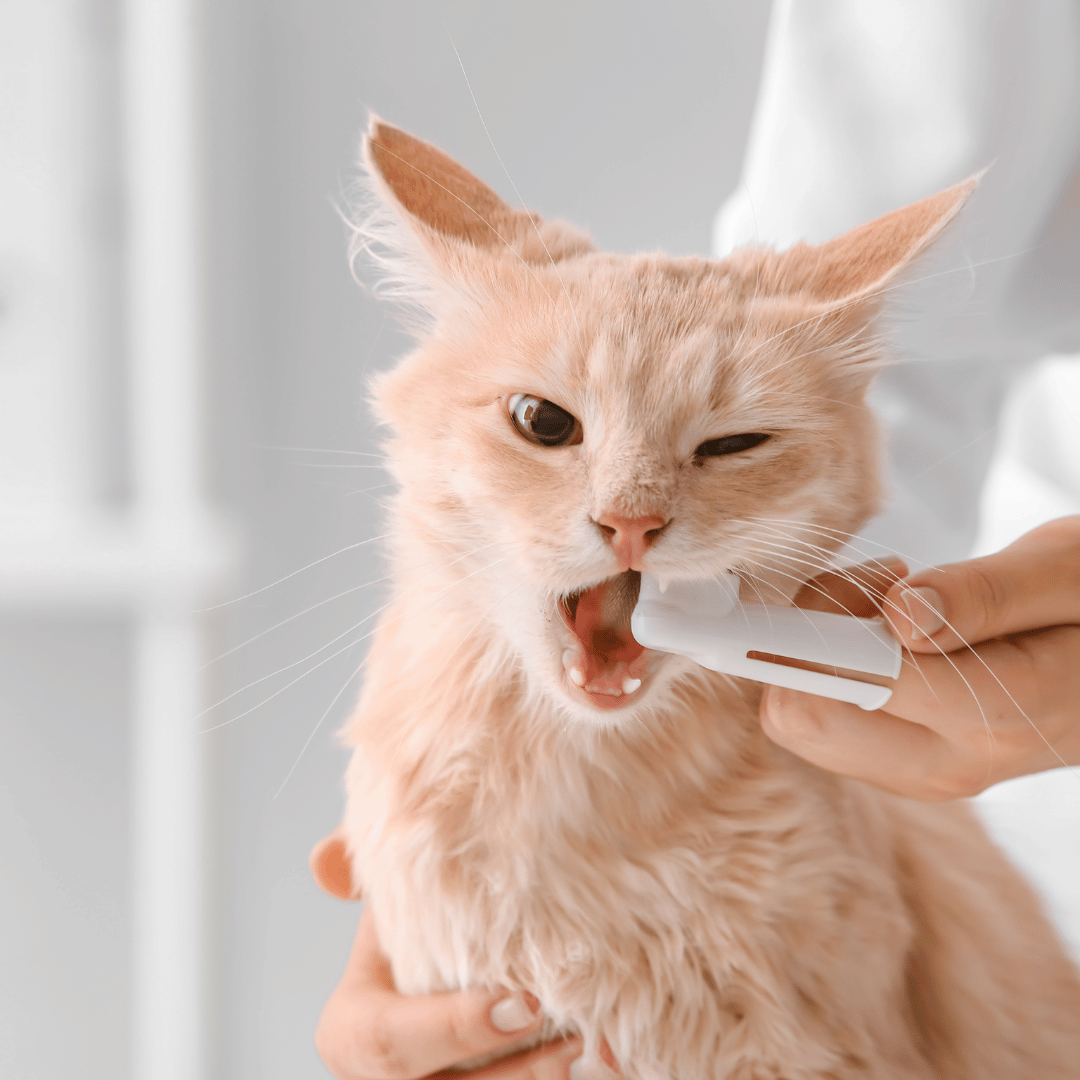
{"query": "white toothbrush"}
(705, 621)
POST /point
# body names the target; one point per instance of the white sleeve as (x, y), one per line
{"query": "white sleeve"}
(866, 105)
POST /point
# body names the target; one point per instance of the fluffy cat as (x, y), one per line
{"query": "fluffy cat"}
(537, 803)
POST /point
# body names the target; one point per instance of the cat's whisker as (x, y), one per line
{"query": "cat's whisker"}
(968, 267)
(274, 584)
(866, 345)
(368, 490)
(349, 630)
(281, 690)
(318, 450)
(844, 538)
(521, 201)
(959, 450)
(944, 654)
(291, 618)
(765, 582)
(1001, 686)
(910, 660)
(986, 724)
(315, 730)
(802, 545)
(329, 600)
(334, 465)
(327, 659)
(837, 308)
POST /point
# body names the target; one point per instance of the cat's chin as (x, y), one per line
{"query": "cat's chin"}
(604, 667)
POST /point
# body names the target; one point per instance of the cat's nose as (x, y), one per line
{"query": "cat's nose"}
(630, 537)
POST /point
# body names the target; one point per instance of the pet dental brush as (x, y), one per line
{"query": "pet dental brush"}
(705, 622)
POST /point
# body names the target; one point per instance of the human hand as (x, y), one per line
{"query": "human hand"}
(990, 686)
(368, 1031)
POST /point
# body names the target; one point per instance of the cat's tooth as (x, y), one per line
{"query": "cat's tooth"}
(661, 583)
(630, 685)
(572, 667)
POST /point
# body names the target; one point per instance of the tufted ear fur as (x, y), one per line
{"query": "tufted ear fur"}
(448, 209)
(835, 291)
(871, 257)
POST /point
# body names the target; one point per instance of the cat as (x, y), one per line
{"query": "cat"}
(533, 800)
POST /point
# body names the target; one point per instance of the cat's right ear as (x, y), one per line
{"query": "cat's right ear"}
(432, 215)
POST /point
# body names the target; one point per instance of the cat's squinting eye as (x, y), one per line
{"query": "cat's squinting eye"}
(543, 422)
(730, 444)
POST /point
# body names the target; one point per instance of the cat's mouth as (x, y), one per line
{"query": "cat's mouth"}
(605, 662)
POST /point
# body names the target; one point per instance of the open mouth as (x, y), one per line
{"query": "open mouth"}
(605, 660)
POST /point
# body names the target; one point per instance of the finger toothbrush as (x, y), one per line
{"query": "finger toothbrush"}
(706, 622)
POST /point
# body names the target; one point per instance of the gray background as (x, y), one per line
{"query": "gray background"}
(628, 118)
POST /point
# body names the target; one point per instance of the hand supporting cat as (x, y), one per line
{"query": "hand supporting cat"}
(991, 686)
(369, 1031)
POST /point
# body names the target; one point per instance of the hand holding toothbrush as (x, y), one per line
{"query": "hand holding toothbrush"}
(990, 685)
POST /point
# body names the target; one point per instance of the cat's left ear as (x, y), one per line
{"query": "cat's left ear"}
(864, 262)
(450, 217)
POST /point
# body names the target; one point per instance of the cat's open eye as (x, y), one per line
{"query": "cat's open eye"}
(543, 422)
(730, 444)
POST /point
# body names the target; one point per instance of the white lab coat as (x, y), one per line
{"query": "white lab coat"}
(864, 106)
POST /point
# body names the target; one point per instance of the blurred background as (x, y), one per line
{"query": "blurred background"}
(189, 501)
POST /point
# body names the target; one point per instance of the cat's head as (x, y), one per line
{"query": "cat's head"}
(570, 418)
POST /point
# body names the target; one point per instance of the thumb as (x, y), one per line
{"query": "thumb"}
(330, 867)
(1031, 584)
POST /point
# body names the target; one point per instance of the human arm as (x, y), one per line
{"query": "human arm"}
(993, 692)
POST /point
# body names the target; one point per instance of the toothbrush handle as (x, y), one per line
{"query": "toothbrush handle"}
(866, 695)
(841, 641)
(721, 640)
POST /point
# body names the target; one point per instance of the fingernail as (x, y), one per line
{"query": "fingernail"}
(583, 1068)
(788, 715)
(512, 1014)
(925, 609)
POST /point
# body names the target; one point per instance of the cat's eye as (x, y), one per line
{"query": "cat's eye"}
(730, 444)
(543, 422)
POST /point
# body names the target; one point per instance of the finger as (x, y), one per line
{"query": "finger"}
(369, 1031)
(884, 750)
(433, 1032)
(552, 1062)
(372, 1036)
(330, 866)
(1020, 692)
(854, 590)
(954, 724)
(1031, 584)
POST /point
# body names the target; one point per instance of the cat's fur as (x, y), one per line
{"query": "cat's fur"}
(658, 874)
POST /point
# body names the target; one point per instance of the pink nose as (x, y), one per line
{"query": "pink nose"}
(630, 537)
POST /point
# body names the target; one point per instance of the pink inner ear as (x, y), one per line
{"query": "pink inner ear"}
(865, 259)
(434, 188)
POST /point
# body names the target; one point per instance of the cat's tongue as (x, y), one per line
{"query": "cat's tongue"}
(610, 663)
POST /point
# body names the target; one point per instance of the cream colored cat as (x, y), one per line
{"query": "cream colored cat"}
(536, 802)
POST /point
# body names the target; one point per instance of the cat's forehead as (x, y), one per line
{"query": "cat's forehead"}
(620, 331)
